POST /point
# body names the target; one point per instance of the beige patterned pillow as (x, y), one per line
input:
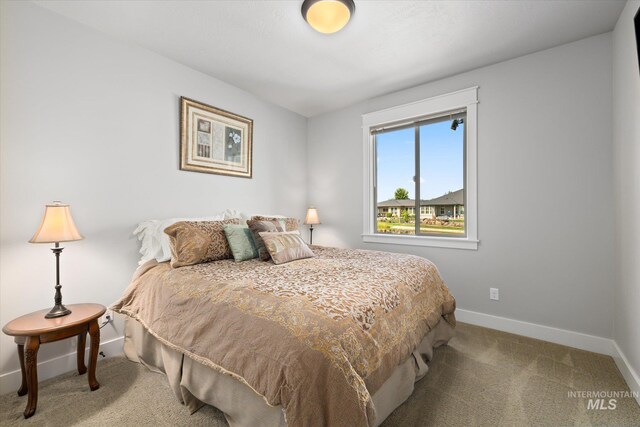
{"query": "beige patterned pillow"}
(290, 224)
(286, 246)
(195, 242)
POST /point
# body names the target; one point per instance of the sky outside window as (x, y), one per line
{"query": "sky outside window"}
(396, 162)
(441, 161)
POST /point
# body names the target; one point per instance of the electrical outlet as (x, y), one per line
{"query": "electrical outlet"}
(494, 294)
(107, 317)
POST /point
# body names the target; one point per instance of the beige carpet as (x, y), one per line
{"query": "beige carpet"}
(484, 377)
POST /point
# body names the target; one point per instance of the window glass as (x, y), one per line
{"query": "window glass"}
(441, 163)
(442, 176)
(395, 189)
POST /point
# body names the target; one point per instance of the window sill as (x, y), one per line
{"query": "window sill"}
(429, 241)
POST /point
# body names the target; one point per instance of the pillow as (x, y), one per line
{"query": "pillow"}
(195, 242)
(150, 247)
(240, 241)
(286, 246)
(234, 213)
(270, 216)
(289, 224)
(155, 243)
(256, 228)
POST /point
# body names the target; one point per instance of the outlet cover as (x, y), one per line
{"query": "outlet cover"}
(494, 294)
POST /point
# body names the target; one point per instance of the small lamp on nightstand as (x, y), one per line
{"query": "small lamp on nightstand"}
(57, 226)
(311, 220)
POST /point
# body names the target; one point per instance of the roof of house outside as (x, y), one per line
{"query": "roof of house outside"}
(452, 198)
(395, 203)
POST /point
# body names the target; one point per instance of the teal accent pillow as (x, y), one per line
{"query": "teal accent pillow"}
(241, 242)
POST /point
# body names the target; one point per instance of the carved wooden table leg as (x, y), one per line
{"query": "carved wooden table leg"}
(82, 340)
(23, 387)
(94, 333)
(31, 361)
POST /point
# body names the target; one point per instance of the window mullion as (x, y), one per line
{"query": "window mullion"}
(416, 179)
(375, 183)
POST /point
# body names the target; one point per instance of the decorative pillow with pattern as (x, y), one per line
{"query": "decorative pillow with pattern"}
(286, 246)
(289, 224)
(258, 227)
(195, 242)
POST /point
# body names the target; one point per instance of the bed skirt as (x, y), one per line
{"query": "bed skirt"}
(195, 384)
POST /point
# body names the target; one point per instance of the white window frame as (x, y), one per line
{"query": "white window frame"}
(466, 98)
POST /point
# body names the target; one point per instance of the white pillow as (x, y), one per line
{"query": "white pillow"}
(155, 243)
(234, 213)
(150, 247)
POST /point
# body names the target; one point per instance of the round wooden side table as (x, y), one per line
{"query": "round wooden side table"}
(33, 329)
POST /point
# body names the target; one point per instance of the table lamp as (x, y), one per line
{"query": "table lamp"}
(311, 220)
(57, 226)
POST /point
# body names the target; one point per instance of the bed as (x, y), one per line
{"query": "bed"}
(338, 339)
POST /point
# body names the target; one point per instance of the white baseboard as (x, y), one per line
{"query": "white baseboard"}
(10, 382)
(630, 375)
(540, 332)
(558, 336)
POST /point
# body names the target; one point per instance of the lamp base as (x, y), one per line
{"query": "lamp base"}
(58, 310)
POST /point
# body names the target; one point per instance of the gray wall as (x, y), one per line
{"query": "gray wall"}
(626, 161)
(544, 157)
(94, 122)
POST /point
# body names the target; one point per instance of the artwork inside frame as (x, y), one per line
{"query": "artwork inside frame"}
(214, 140)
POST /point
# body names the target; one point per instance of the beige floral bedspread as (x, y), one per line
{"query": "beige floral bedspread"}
(318, 336)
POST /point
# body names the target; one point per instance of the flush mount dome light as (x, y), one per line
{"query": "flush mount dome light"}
(328, 16)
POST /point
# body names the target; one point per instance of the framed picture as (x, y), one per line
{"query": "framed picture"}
(636, 24)
(214, 141)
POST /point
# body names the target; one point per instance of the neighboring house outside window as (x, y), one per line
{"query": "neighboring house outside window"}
(451, 204)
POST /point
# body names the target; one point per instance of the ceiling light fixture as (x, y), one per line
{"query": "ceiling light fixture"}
(328, 16)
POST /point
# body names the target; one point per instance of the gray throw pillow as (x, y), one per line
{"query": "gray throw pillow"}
(258, 227)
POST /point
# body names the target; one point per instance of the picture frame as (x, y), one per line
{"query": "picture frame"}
(636, 24)
(214, 141)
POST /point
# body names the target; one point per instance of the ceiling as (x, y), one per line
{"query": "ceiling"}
(266, 48)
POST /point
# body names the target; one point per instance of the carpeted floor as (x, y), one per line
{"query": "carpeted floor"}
(484, 377)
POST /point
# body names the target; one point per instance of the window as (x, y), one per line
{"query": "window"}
(420, 166)
(432, 148)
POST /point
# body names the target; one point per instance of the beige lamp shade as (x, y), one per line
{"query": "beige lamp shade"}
(57, 225)
(312, 217)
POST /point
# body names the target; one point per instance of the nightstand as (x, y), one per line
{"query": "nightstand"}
(33, 329)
